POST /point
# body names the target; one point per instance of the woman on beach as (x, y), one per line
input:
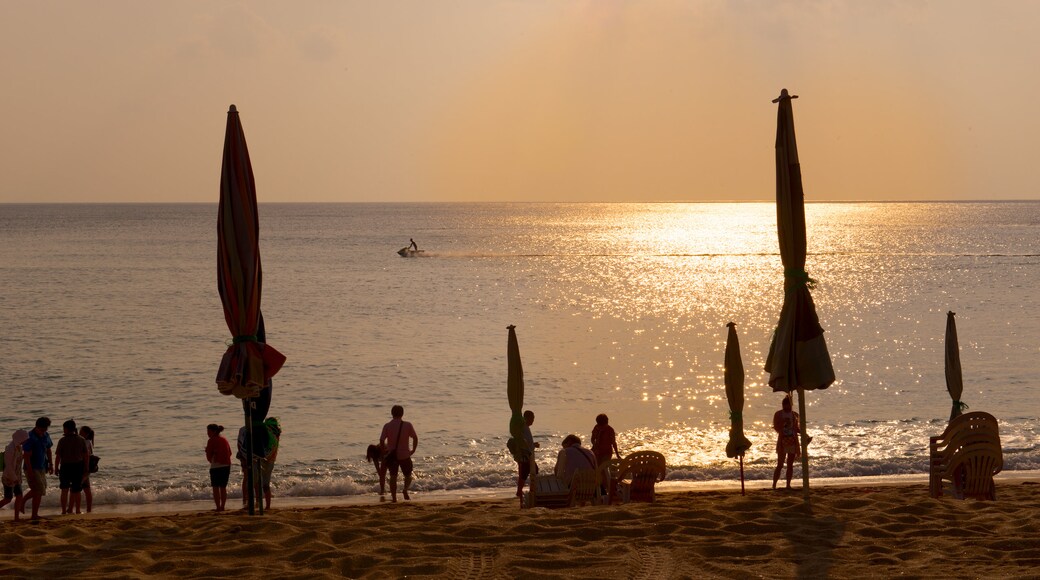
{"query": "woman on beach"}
(785, 423)
(88, 434)
(218, 453)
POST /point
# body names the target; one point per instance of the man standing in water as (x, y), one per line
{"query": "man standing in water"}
(38, 463)
(395, 439)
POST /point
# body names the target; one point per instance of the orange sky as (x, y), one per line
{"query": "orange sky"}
(518, 100)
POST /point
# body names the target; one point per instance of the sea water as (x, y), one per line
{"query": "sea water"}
(109, 314)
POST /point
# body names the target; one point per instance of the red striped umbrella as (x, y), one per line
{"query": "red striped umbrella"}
(248, 362)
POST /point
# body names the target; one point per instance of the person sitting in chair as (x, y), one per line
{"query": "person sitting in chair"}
(573, 457)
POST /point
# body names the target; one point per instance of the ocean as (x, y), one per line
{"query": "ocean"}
(110, 315)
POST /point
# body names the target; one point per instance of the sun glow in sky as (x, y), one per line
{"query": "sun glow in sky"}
(503, 100)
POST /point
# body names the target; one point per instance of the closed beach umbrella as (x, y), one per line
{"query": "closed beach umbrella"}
(734, 376)
(515, 391)
(248, 363)
(954, 378)
(798, 357)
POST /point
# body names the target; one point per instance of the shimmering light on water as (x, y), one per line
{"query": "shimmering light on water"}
(110, 315)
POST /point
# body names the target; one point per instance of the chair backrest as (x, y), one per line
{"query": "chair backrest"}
(967, 455)
(971, 469)
(643, 464)
(584, 487)
(965, 427)
(644, 469)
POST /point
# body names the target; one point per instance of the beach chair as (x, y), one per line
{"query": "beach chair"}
(639, 473)
(548, 491)
(966, 457)
(585, 488)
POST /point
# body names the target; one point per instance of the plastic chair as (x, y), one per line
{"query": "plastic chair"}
(639, 473)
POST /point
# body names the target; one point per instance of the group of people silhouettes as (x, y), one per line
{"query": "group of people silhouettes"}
(29, 457)
(571, 457)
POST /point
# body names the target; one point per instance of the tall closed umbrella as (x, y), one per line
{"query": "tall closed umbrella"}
(515, 392)
(734, 376)
(798, 357)
(954, 378)
(248, 363)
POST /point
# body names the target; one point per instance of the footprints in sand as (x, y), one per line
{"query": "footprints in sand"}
(653, 563)
(473, 566)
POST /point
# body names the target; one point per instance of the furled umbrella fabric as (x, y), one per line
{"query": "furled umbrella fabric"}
(954, 377)
(248, 363)
(798, 357)
(515, 393)
(734, 377)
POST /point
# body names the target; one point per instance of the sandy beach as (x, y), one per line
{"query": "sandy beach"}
(849, 531)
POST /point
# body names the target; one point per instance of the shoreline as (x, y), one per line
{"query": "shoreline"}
(186, 507)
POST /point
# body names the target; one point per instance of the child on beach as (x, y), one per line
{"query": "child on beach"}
(525, 462)
(88, 434)
(70, 461)
(374, 455)
(12, 476)
(218, 453)
(604, 440)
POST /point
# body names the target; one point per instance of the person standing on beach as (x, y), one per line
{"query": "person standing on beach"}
(785, 423)
(273, 432)
(12, 476)
(604, 440)
(218, 453)
(70, 460)
(525, 464)
(395, 439)
(88, 434)
(38, 463)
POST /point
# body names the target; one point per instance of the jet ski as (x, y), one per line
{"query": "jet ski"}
(408, 252)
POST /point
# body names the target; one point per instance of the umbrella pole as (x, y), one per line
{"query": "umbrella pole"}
(805, 445)
(249, 456)
(741, 475)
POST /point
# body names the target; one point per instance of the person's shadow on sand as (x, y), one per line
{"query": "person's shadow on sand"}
(813, 540)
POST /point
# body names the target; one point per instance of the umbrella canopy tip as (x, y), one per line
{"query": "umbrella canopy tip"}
(784, 95)
(511, 327)
(233, 109)
(951, 313)
(731, 324)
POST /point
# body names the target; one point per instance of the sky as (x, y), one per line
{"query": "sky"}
(509, 100)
